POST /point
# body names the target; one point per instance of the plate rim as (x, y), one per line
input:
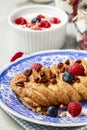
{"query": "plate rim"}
(14, 113)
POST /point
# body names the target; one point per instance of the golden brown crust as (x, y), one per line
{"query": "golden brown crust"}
(45, 88)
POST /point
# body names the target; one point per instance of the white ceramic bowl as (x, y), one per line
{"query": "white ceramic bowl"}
(42, 1)
(29, 41)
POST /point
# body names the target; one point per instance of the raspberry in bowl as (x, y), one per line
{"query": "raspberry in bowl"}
(38, 27)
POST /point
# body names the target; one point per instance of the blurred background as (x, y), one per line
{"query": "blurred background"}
(6, 38)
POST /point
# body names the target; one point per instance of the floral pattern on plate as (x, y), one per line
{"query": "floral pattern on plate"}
(9, 101)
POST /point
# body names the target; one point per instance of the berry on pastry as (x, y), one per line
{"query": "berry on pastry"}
(36, 66)
(43, 89)
(74, 108)
(68, 77)
(76, 69)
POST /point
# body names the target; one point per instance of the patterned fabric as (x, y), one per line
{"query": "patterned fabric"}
(32, 126)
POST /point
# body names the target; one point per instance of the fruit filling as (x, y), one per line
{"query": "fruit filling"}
(69, 6)
(75, 5)
(80, 22)
(37, 22)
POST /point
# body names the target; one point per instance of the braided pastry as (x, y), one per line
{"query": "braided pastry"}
(43, 86)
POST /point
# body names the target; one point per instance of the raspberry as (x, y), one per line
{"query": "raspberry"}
(20, 21)
(74, 108)
(55, 20)
(45, 24)
(77, 69)
(40, 16)
(36, 66)
(16, 56)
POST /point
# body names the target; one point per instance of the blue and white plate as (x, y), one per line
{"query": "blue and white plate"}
(10, 103)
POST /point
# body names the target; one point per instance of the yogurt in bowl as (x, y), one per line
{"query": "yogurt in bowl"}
(36, 21)
(37, 36)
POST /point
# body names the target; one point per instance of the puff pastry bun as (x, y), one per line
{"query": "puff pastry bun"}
(44, 87)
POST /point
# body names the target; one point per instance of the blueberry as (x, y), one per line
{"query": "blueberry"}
(34, 20)
(52, 111)
(68, 77)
